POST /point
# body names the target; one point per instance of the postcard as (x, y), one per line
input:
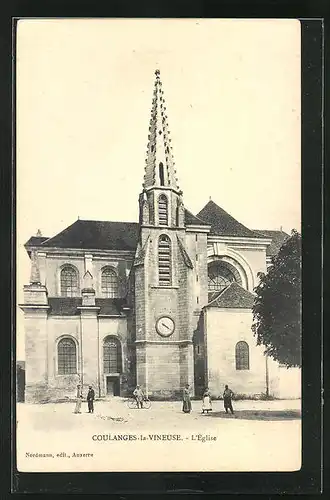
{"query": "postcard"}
(158, 245)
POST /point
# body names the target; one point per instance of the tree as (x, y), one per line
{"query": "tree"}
(277, 305)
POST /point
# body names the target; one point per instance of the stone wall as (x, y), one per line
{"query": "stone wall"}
(224, 328)
(284, 383)
(52, 264)
(36, 367)
(43, 382)
(163, 375)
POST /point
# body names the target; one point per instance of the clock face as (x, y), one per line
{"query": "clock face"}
(165, 326)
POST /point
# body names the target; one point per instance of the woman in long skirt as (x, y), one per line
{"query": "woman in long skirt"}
(78, 400)
(207, 403)
(186, 407)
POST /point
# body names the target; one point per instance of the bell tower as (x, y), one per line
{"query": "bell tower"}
(163, 268)
(161, 199)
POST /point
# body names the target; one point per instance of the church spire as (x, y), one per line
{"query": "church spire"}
(160, 166)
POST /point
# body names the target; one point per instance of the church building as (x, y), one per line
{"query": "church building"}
(161, 302)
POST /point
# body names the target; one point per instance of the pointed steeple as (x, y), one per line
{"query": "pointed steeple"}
(160, 167)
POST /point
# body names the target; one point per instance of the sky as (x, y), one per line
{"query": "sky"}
(84, 91)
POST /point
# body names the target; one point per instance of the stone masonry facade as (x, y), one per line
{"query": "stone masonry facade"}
(162, 302)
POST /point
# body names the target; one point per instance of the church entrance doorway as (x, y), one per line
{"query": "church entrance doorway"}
(113, 386)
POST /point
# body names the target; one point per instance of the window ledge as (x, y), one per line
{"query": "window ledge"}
(163, 287)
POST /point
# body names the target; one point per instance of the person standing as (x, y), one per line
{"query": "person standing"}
(139, 396)
(90, 399)
(207, 403)
(78, 400)
(186, 406)
(227, 399)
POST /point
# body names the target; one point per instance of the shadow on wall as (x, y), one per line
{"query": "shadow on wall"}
(258, 415)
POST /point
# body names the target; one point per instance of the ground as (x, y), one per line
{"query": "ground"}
(261, 435)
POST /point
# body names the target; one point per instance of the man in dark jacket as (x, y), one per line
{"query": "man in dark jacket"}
(227, 397)
(90, 399)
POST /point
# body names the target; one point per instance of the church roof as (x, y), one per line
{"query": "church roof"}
(107, 235)
(233, 297)
(36, 240)
(222, 223)
(102, 235)
(68, 306)
(278, 238)
(91, 234)
(159, 149)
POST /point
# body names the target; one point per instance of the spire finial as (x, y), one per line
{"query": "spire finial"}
(159, 168)
(39, 233)
(210, 199)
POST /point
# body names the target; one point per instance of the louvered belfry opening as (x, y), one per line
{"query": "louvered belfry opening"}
(162, 210)
(164, 261)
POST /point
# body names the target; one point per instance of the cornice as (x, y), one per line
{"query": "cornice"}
(196, 228)
(262, 242)
(79, 252)
(172, 342)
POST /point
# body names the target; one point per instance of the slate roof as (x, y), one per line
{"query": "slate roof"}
(233, 297)
(64, 306)
(68, 306)
(278, 237)
(107, 235)
(103, 235)
(90, 234)
(35, 241)
(222, 223)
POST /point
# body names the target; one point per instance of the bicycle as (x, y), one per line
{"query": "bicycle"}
(132, 403)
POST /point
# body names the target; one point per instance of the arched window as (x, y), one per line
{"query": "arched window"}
(109, 283)
(164, 261)
(221, 274)
(242, 356)
(112, 355)
(69, 282)
(162, 210)
(66, 357)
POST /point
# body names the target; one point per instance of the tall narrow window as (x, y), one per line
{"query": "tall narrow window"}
(161, 174)
(69, 282)
(109, 283)
(66, 357)
(242, 356)
(163, 210)
(111, 355)
(164, 261)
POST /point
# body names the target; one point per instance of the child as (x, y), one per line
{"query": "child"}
(207, 404)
